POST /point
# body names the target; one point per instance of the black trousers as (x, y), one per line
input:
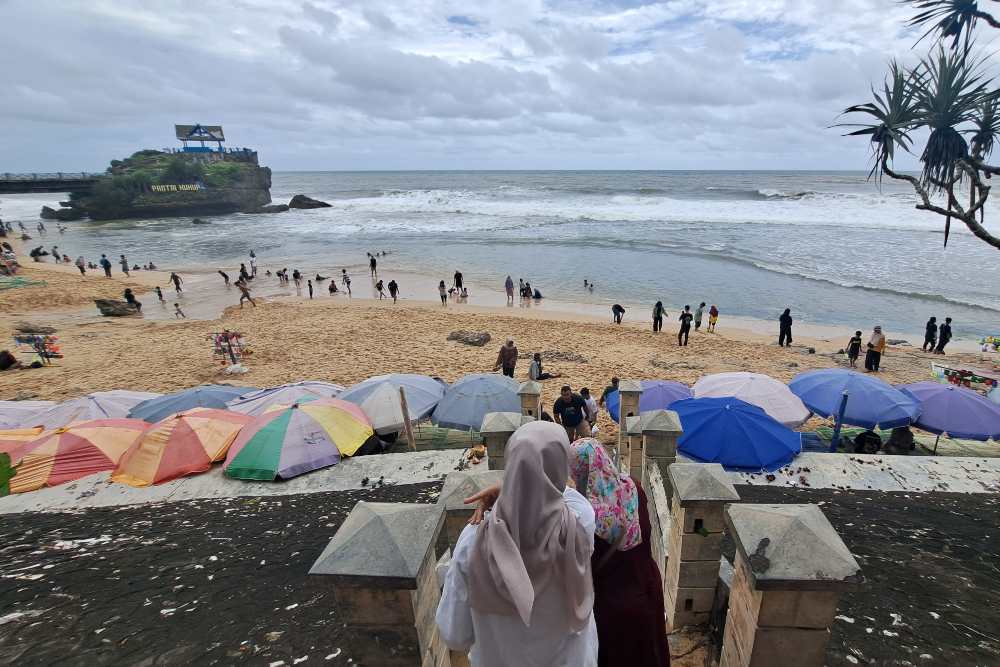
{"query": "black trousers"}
(872, 360)
(508, 371)
(683, 333)
(618, 317)
(785, 337)
(929, 343)
(657, 324)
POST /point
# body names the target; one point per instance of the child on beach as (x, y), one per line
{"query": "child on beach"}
(310, 284)
(713, 317)
(333, 287)
(854, 349)
(159, 294)
(443, 291)
(178, 313)
(378, 287)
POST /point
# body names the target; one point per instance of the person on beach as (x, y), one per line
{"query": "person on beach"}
(591, 407)
(535, 371)
(536, 295)
(245, 293)
(159, 294)
(176, 280)
(508, 285)
(81, 264)
(297, 278)
(458, 280)
(944, 336)
(333, 287)
(309, 283)
(343, 276)
(930, 335)
(347, 284)
(854, 349)
(507, 358)
(876, 346)
(685, 330)
(713, 318)
(372, 263)
(697, 316)
(106, 265)
(131, 300)
(607, 390)
(628, 589)
(519, 590)
(785, 328)
(124, 263)
(617, 313)
(443, 292)
(569, 411)
(253, 264)
(225, 277)
(41, 228)
(381, 292)
(520, 287)
(393, 290)
(658, 316)
(178, 313)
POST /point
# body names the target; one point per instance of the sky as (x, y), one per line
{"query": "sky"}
(447, 84)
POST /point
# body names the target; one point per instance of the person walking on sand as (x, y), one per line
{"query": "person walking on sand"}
(658, 316)
(373, 264)
(944, 336)
(785, 328)
(570, 412)
(876, 346)
(381, 293)
(124, 263)
(393, 290)
(245, 294)
(617, 313)
(225, 277)
(697, 316)
(507, 358)
(106, 265)
(309, 283)
(508, 285)
(443, 292)
(178, 313)
(685, 330)
(854, 349)
(176, 280)
(159, 294)
(713, 318)
(930, 335)
(81, 264)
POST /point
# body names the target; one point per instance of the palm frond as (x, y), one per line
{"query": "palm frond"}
(951, 19)
(987, 122)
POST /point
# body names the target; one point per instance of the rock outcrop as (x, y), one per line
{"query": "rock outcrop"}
(301, 201)
(474, 338)
(62, 214)
(272, 208)
(113, 308)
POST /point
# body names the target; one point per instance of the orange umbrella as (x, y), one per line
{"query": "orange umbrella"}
(11, 439)
(75, 451)
(182, 444)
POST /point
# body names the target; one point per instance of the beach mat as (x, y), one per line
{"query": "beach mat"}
(427, 437)
(8, 282)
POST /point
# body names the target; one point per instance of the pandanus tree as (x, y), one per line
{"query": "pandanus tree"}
(950, 97)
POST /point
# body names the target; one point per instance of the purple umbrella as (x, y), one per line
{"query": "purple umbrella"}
(957, 411)
(656, 395)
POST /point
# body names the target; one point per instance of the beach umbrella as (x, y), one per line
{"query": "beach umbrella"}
(114, 404)
(182, 444)
(871, 402)
(474, 396)
(956, 411)
(772, 396)
(204, 396)
(734, 433)
(656, 395)
(12, 438)
(378, 397)
(288, 441)
(65, 454)
(256, 403)
(14, 413)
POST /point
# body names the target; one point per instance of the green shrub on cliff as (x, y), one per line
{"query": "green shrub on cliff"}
(223, 174)
(179, 170)
(118, 192)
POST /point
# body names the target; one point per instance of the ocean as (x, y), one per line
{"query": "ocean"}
(835, 248)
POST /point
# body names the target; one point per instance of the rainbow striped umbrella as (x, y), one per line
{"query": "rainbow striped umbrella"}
(70, 453)
(182, 444)
(289, 441)
(11, 439)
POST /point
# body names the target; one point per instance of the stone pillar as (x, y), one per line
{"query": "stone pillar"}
(496, 431)
(531, 399)
(629, 392)
(381, 566)
(791, 567)
(457, 487)
(632, 463)
(700, 492)
(660, 431)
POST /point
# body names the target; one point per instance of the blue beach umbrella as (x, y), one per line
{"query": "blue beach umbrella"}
(735, 434)
(961, 413)
(204, 396)
(871, 402)
(378, 397)
(656, 395)
(474, 396)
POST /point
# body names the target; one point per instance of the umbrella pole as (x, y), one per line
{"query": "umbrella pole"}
(407, 427)
(936, 441)
(835, 441)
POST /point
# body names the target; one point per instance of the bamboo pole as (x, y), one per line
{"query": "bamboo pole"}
(407, 427)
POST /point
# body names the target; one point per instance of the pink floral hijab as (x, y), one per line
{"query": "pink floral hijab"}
(613, 495)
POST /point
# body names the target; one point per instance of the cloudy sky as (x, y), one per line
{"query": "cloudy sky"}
(445, 84)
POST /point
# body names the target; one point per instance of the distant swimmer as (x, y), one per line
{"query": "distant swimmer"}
(536, 294)
(320, 278)
(618, 312)
(225, 277)
(393, 290)
(333, 287)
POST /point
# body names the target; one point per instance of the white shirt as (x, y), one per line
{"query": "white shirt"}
(501, 641)
(591, 410)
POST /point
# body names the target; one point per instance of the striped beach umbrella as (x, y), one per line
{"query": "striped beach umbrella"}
(182, 444)
(288, 441)
(11, 439)
(66, 454)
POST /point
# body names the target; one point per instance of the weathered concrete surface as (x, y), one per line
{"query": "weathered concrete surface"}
(99, 491)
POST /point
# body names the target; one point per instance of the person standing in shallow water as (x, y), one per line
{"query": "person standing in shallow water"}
(443, 292)
(930, 335)
(372, 264)
(310, 284)
(509, 287)
(658, 316)
(785, 328)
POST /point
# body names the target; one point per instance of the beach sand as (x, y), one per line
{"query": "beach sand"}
(345, 341)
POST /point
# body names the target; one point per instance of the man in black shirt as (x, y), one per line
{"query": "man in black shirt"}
(930, 335)
(569, 410)
(685, 320)
(944, 335)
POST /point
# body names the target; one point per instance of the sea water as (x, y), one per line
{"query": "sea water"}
(832, 246)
